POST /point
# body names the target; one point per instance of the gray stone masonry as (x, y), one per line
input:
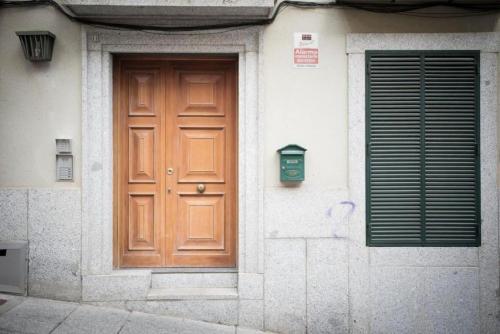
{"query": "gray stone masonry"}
(50, 219)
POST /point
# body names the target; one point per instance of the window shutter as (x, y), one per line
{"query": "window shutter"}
(422, 149)
(452, 174)
(394, 136)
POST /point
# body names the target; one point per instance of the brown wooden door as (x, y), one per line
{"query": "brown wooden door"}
(175, 162)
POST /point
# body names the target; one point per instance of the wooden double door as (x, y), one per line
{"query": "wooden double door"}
(175, 161)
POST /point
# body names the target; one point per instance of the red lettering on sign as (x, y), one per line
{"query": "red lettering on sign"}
(306, 56)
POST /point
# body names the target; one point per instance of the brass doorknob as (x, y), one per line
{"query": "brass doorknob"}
(200, 188)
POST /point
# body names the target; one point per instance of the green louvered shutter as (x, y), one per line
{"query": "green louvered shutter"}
(394, 171)
(452, 175)
(422, 128)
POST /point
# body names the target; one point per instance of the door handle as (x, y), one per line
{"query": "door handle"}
(200, 188)
(170, 171)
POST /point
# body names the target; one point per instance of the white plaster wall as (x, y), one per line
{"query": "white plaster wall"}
(309, 106)
(38, 102)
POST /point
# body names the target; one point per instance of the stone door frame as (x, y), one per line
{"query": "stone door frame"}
(98, 46)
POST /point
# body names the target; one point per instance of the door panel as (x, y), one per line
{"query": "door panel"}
(141, 222)
(202, 154)
(200, 93)
(142, 99)
(201, 222)
(142, 151)
(175, 131)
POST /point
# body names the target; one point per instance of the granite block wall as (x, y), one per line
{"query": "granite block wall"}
(407, 289)
(50, 220)
(306, 272)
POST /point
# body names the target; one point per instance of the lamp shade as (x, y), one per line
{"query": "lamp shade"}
(37, 45)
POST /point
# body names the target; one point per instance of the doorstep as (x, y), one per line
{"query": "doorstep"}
(194, 280)
(192, 293)
(137, 285)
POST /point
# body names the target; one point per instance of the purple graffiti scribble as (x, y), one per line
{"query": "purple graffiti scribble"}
(329, 212)
(351, 203)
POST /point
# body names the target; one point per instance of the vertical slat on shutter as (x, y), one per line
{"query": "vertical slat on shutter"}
(451, 159)
(394, 149)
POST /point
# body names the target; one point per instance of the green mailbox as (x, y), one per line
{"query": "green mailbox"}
(292, 163)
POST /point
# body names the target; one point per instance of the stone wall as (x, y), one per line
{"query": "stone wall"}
(306, 272)
(50, 220)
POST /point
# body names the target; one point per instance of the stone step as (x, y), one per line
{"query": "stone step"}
(192, 293)
(193, 280)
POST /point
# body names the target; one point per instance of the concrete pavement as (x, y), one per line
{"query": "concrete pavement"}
(26, 315)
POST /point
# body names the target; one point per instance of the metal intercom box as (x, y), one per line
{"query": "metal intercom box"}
(13, 266)
(292, 167)
(63, 146)
(64, 160)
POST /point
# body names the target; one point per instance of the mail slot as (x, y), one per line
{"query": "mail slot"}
(292, 163)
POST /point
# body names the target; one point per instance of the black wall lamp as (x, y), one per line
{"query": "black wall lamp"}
(37, 45)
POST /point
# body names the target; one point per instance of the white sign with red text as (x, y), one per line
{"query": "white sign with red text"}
(305, 50)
